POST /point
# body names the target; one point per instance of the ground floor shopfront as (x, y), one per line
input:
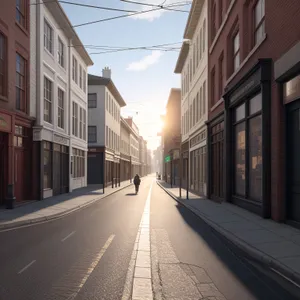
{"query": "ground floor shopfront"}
(125, 167)
(248, 139)
(198, 163)
(15, 158)
(59, 165)
(287, 75)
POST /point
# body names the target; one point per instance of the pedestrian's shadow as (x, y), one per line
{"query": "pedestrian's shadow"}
(131, 194)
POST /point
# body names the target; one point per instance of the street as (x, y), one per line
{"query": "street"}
(86, 255)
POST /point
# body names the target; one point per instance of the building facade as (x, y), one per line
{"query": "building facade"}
(253, 106)
(15, 122)
(171, 138)
(125, 160)
(104, 129)
(192, 64)
(134, 147)
(143, 156)
(59, 102)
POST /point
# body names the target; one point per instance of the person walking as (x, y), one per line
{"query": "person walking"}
(137, 182)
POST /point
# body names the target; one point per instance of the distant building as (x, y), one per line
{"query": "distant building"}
(192, 64)
(143, 156)
(134, 146)
(125, 157)
(171, 138)
(58, 96)
(104, 129)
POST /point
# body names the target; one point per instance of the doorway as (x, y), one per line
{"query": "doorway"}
(293, 161)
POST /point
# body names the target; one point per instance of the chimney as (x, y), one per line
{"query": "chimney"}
(106, 72)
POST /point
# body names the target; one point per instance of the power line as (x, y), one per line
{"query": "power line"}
(85, 5)
(156, 5)
(131, 49)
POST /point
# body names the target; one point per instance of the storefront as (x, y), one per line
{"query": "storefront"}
(125, 167)
(215, 176)
(247, 140)
(95, 165)
(185, 164)
(198, 163)
(291, 100)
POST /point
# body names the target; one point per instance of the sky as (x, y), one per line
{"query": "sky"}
(143, 77)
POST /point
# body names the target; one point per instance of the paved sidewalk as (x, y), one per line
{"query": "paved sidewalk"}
(273, 244)
(55, 207)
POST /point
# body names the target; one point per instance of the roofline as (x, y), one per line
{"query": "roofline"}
(184, 51)
(193, 17)
(84, 54)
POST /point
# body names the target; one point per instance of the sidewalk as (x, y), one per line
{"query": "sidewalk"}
(273, 244)
(55, 207)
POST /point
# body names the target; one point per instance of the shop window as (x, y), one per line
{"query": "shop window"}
(240, 159)
(20, 83)
(47, 165)
(259, 20)
(78, 159)
(240, 113)
(3, 65)
(255, 104)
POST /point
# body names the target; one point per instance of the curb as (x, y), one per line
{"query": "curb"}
(19, 224)
(241, 245)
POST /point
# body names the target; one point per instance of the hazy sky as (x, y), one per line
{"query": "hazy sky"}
(143, 77)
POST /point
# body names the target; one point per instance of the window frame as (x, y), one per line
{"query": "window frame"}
(21, 89)
(60, 108)
(236, 52)
(4, 64)
(48, 101)
(23, 14)
(74, 69)
(80, 76)
(261, 23)
(61, 52)
(48, 41)
(95, 134)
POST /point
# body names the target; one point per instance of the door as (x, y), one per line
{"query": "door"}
(20, 188)
(95, 168)
(3, 166)
(293, 161)
(60, 169)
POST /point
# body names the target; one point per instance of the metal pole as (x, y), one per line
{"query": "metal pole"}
(188, 177)
(180, 174)
(103, 170)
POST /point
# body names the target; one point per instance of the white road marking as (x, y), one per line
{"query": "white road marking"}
(92, 266)
(26, 267)
(69, 235)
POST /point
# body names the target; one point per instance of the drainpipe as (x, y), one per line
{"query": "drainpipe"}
(70, 115)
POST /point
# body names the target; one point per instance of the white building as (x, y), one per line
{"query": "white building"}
(105, 103)
(192, 65)
(59, 100)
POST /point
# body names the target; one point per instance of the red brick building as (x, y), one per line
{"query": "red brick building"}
(248, 128)
(171, 138)
(15, 123)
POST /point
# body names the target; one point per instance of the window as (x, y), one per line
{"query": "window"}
(240, 159)
(213, 86)
(204, 97)
(204, 36)
(21, 12)
(47, 165)
(80, 76)
(75, 70)
(201, 102)
(84, 81)
(3, 64)
(92, 100)
(75, 119)
(81, 122)
(259, 20)
(221, 75)
(84, 124)
(92, 134)
(79, 163)
(236, 51)
(214, 22)
(48, 37)
(60, 109)
(20, 83)
(47, 100)
(61, 53)
(19, 136)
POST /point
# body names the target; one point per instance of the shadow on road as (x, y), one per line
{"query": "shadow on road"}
(131, 194)
(260, 285)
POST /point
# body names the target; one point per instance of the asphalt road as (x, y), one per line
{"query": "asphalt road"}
(86, 254)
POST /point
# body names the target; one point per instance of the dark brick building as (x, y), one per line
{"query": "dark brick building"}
(248, 106)
(15, 123)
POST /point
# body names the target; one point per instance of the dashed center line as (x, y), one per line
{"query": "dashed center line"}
(68, 236)
(26, 267)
